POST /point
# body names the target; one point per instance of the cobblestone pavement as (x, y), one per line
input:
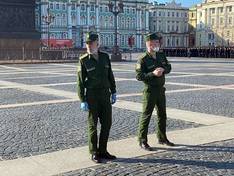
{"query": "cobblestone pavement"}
(40, 114)
(27, 131)
(216, 159)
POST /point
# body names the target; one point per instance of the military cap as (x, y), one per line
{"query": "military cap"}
(152, 36)
(91, 37)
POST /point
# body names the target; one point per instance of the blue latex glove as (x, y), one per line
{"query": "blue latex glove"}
(84, 106)
(113, 98)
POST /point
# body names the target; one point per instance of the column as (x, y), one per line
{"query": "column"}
(147, 20)
(97, 16)
(78, 15)
(44, 5)
(88, 14)
(138, 32)
(69, 19)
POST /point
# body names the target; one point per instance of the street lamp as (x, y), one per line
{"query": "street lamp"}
(48, 19)
(116, 9)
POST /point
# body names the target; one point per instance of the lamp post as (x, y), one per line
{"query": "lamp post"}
(48, 19)
(116, 9)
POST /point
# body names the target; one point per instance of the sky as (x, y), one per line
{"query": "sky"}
(185, 3)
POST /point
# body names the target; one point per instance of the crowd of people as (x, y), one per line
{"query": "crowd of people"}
(215, 52)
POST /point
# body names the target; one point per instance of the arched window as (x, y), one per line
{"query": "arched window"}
(106, 21)
(122, 22)
(111, 21)
(73, 19)
(83, 20)
(64, 35)
(92, 20)
(128, 23)
(83, 8)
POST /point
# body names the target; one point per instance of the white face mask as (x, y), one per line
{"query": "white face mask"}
(156, 49)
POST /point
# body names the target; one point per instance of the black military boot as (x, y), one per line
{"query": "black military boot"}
(107, 155)
(166, 142)
(145, 146)
(95, 158)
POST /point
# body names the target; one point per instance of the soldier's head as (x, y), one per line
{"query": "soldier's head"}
(92, 42)
(152, 42)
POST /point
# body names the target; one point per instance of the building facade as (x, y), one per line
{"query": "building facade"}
(215, 23)
(74, 18)
(192, 26)
(171, 22)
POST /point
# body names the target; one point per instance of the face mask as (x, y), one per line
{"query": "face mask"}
(156, 49)
(93, 51)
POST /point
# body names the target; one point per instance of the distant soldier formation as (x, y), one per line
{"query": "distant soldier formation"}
(216, 52)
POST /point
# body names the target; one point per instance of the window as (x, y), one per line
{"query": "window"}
(73, 19)
(159, 13)
(57, 6)
(168, 28)
(230, 20)
(221, 20)
(92, 8)
(177, 14)
(173, 14)
(154, 13)
(173, 28)
(213, 10)
(200, 14)
(82, 7)
(100, 8)
(51, 6)
(133, 11)
(185, 14)
(228, 33)
(73, 7)
(212, 21)
(64, 7)
(127, 10)
(177, 42)
(229, 8)
(221, 9)
(106, 9)
(168, 14)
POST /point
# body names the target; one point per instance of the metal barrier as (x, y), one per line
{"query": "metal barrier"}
(40, 54)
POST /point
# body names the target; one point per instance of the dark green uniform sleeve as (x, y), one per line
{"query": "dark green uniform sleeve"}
(166, 65)
(141, 74)
(81, 76)
(112, 80)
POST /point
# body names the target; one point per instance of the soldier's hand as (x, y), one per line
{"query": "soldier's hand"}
(84, 106)
(113, 98)
(158, 72)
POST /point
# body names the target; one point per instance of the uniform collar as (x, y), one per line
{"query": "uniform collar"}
(150, 56)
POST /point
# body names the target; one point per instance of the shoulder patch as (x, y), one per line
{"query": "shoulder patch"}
(138, 66)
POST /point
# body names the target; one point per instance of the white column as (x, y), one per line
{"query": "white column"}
(69, 19)
(138, 17)
(78, 15)
(140, 21)
(138, 28)
(44, 5)
(140, 44)
(147, 20)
